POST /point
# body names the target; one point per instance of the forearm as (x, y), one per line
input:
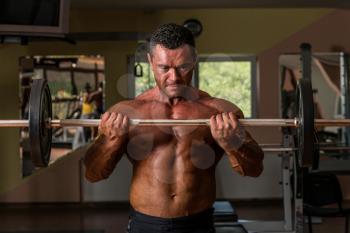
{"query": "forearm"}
(101, 158)
(246, 159)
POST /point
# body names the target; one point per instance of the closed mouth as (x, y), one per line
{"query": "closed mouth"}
(172, 85)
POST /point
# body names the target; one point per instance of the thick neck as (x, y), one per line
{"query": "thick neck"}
(189, 94)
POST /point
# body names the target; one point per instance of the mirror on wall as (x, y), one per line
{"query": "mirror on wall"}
(326, 82)
(77, 91)
(330, 91)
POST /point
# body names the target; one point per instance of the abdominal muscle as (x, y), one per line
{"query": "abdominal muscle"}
(173, 167)
(175, 179)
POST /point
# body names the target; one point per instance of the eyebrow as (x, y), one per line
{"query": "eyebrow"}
(183, 64)
(163, 66)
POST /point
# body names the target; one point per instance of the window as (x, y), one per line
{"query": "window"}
(229, 77)
(146, 81)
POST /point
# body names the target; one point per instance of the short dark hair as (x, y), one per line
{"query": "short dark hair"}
(87, 86)
(171, 36)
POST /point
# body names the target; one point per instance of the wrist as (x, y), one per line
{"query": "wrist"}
(232, 144)
(111, 142)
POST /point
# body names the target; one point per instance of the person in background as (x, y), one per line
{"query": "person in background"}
(96, 97)
(87, 110)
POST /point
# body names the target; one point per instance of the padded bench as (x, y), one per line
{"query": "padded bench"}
(224, 212)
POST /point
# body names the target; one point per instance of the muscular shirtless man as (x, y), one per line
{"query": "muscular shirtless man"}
(173, 183)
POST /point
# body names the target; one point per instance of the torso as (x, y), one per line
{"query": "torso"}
(173, 167)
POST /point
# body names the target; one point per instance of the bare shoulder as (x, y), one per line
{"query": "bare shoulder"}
(122, 106)
(132, 107)
(203, 94)
(222, 105)
(147, 95)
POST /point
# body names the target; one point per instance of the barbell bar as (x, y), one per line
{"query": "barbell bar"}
(175, 122)
(291, 149)
(150, 122)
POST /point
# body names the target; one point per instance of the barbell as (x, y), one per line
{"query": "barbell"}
(40, 123)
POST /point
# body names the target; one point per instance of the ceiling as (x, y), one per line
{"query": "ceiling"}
(183, 4)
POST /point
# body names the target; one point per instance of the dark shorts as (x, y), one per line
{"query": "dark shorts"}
(197, 223)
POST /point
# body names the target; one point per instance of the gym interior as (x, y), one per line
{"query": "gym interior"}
(101, 47)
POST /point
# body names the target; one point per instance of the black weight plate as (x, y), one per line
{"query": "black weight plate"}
(306, 60)
(40, 113)
(305, 130)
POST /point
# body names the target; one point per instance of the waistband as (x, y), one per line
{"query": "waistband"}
(201, 218)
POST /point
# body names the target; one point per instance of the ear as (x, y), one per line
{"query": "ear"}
(149, 57)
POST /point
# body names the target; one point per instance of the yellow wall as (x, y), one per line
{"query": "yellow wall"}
(225, 31)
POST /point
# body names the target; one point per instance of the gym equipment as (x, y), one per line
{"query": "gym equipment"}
(224, 212)
(40, 123)
(40, 132)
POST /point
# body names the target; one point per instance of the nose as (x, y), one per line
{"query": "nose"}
(174, 75)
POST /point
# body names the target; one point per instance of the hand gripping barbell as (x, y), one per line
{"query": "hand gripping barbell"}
(40, 123)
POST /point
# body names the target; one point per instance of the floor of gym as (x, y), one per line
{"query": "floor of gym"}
(112, 218)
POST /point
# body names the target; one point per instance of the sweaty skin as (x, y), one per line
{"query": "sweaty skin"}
(173, 166)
